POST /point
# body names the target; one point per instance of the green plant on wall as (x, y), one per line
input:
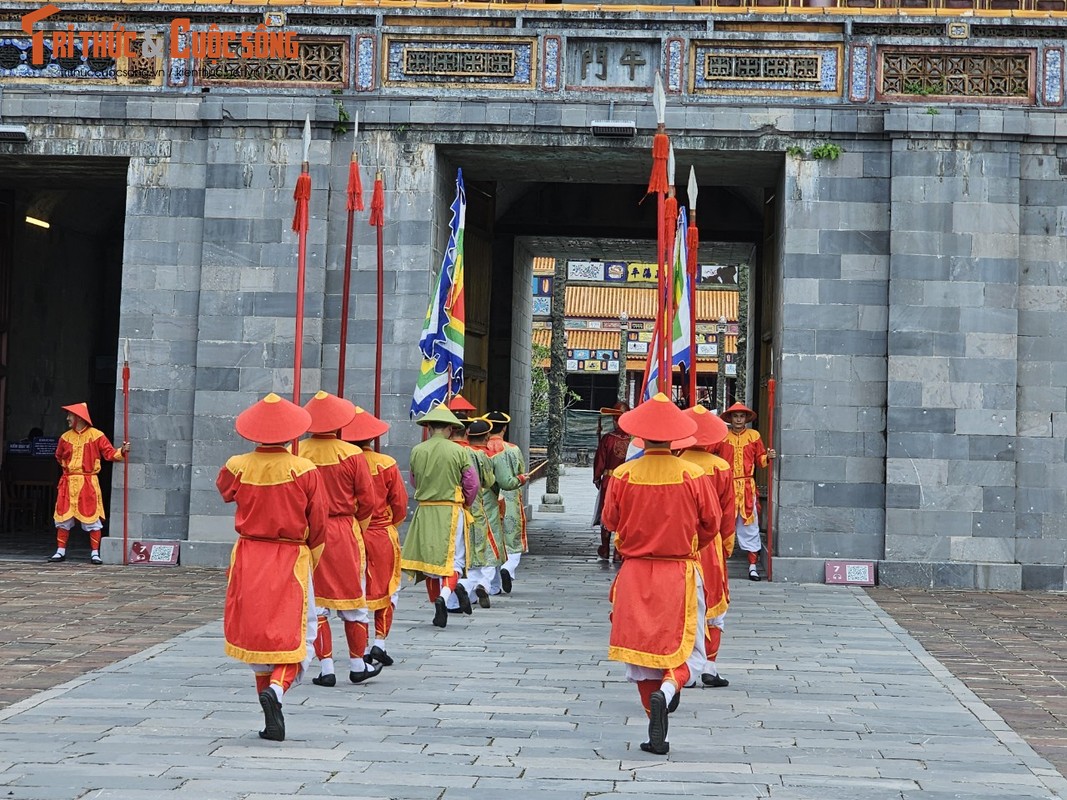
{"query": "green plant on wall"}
(795, 150)
(922, 89)
(827, 150)
(341, 126)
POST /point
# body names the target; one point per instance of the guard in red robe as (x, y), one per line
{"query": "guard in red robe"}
(281, 527)
(610, 452)
(381, 539)
(341, 575)
(663, 510)
(743, 449)
(710, 431)
(79, 452)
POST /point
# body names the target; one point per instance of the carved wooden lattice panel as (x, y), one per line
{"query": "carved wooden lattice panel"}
(762, 67)
(459, 63)
(896, 29)
(957, 74)
(319, 62)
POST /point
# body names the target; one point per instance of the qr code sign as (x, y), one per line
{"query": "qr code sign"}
(162, 552)
(857, 573)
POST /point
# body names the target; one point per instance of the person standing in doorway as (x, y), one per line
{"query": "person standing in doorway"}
(281, 520)
(610, 452)
(743, 450)
(80, 452)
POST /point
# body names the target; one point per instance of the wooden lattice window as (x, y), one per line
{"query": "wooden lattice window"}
(957, 74)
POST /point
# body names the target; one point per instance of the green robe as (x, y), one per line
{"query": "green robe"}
(508, 466)
(436, 471)
(485, 544)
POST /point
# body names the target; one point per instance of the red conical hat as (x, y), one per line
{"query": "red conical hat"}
(460, 403)
(363, 427)
(329, 412)
(740, 407)
(273, 419)
(680, 444)
(658, 420)
(710, 429)
(80, 410)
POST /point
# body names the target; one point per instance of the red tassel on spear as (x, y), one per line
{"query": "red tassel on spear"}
(355, 203)
(302, 196)
(377, 219)
(692, 244)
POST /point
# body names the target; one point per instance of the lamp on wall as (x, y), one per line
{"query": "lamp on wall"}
(14, 133)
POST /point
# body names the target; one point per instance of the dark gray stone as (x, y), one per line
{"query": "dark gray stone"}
(905, 573)
(953, 576)
(925, 343)
(857, 343)
(902, 496)
(873, 293)
(850, 495)
(868, 242)
(807, 265)
(916, 420)
(1042, 578)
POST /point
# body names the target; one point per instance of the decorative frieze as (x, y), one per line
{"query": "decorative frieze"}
(500, 62)
(366, 49)
(984, 74)
(908, 29)
(1053, 84)
(859, 80)
(729, 68)
(673, 59)
(550, 62)
(1018, 31)
(78, 66)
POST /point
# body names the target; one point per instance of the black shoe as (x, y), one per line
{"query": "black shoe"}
(659, 751)
(274, 728)
(505, 581)
(673, 705)
(714, 681)
(440, 613)
(753, 574)
(483, 596)
(378, 655)
(464, 599)
(657, 723)
(325, 680)
(96, 560)
(57, 558)
(365, 675)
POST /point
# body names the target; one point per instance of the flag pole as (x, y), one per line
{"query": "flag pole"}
(355, 203)
(771, 387)
(302, 196)
(657, 183)
(670, 223)
(377, 219)
(125, 452)
(692, 245)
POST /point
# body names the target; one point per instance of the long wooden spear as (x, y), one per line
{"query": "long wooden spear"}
(377, 219)
(302, 196)
(771, 387)
(670, 225)
(125, 453)
(355, 203)
(657, 183)
(692, 241)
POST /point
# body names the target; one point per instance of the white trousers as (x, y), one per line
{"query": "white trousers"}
(748, 538)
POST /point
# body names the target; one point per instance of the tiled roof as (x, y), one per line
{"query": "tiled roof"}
(608, 302)
(609, 340)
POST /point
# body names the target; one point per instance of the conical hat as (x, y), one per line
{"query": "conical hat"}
(460, 403)
(80, 410)
(440, 414)
(710, 429)
(679, 444)
(329, 412)
(740, 407)
(273, 419)
(658, 420)
(615, 410)
(363, 427)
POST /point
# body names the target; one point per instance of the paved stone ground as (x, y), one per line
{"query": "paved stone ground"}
(830, 698)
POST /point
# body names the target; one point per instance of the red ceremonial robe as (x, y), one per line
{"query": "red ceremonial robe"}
(663, 510)
(281, 526)
(381, 538)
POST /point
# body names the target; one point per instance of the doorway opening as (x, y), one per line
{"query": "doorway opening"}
(61, 253)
